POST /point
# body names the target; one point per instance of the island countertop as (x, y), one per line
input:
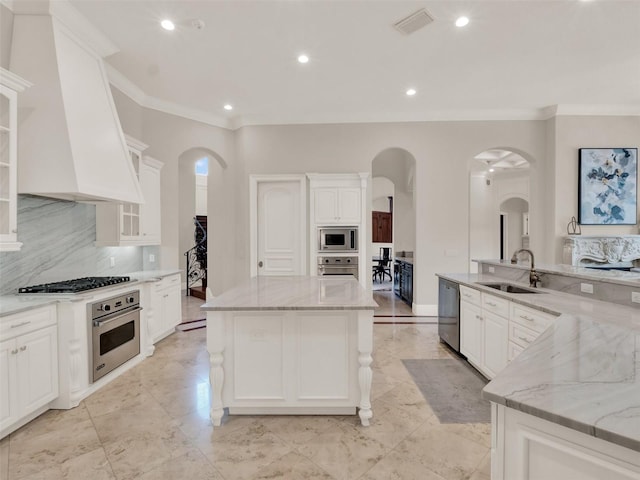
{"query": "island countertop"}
(294, 293)
(581, 373)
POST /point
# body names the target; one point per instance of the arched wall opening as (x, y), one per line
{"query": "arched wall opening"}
(191, 193)
(393, 174)
(497, 224)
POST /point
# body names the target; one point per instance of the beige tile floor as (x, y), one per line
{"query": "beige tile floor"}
(152, 423)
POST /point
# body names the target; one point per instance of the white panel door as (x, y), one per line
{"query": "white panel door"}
(471, 332)
(279, 228)
(7, 383)
(496, 340)
(37, 368)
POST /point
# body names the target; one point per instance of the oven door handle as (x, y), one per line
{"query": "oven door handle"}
(120, 314)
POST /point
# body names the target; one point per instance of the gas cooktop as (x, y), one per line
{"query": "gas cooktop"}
(75, 285)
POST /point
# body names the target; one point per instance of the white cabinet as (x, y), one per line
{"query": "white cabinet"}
(164, 311)
(484, 330)
(150, 210)
(10, 86)
(132, 223)
(525, 447)
(28, 366)
(339, 205)
(525, 325)
(471, 331)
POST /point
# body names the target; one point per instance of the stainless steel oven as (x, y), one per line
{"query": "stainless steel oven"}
(337, 239)
(338, 266)
(115, 332)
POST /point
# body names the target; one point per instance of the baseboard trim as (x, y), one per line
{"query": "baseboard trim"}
(425, 310)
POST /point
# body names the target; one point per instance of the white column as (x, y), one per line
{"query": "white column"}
(365, 346)
(216, 339)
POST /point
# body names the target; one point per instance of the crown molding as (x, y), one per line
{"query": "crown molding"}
(591, 110)
(8, 4)
(13, 81)
(70, 17)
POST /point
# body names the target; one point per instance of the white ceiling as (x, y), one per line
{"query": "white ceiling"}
(515, 59)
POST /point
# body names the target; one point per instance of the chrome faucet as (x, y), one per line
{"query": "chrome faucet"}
(534, 278)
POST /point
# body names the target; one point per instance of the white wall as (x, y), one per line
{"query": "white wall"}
(483, 220)
(381, 189)
(572, 133)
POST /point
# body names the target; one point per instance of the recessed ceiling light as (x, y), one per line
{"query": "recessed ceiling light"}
(462, 21)
(492, 170)
(228, 107)
(168, 24)
(411, 92)
(303, 59)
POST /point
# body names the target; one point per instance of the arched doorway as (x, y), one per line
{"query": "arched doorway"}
(392, 193)
(499, 186)
(194, 165)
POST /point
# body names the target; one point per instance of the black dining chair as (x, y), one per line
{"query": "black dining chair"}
(383, 268)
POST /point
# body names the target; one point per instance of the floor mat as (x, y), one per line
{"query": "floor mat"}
(452, 389)
(192, 325)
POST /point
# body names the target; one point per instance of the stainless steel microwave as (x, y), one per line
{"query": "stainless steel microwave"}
(338, 239)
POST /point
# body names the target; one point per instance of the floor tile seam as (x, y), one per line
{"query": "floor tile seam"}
(296, 449)
(102, 445)
(209, 461)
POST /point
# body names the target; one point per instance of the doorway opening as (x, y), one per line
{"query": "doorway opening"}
(499, 183)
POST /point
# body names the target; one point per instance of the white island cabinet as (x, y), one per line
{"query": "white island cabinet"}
(291, 345)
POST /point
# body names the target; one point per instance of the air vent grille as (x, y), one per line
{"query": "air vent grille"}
(414, 22)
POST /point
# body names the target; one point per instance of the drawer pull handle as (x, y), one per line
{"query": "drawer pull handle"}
(492, 304)
(527, 318)
(23, 348)
(478, 317)
(525, 339)
(13, 352)
(21, 324)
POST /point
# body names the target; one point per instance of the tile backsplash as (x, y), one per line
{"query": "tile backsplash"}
(58, 244)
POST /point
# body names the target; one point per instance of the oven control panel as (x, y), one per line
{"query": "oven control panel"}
(117, 303)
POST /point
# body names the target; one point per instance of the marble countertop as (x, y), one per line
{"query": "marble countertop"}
(552, 301)
(581, 373)
(609, 276)
(10, 304)
(294, 293)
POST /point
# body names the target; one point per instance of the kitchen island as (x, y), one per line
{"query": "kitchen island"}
(291, 345)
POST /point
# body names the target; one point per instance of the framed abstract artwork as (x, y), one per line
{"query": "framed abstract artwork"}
(608, 186)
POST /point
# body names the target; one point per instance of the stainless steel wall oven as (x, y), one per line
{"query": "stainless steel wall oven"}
(114, 331)
(338, 266)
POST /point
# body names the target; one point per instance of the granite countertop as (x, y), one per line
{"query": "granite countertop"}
(609, 276)
(294, 293)
(580, 373)
(10, 304)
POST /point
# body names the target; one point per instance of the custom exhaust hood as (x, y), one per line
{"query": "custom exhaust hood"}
(70, 142)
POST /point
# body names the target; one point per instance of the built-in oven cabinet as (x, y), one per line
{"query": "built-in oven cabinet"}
(119, 224)
(163, 312)
(28, 366)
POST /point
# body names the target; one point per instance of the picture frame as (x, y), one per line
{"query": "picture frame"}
(608, 186)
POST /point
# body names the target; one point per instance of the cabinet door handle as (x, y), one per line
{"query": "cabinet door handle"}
(23, 348)
(13, 352)
(21, 324)
(478, 317)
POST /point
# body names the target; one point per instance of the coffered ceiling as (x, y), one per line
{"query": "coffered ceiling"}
(514, 60)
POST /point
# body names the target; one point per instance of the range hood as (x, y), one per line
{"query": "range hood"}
(70, 142)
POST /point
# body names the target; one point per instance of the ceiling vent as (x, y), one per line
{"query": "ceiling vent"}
(414, 22)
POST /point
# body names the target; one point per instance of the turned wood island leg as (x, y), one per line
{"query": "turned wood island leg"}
(365, 346)
(215, 346)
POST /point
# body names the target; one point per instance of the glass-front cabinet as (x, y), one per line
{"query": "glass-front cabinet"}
(10, 86)
(130, 216)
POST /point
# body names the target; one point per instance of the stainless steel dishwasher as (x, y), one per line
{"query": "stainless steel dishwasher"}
(449, 313)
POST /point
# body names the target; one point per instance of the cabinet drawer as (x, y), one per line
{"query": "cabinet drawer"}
(470, 295)
(530, 318)
(497, 305)
(514, 350)
(521, 335)
(24, 322)
(166, 282)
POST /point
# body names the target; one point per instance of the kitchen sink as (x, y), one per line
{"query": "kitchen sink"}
(509, 287)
